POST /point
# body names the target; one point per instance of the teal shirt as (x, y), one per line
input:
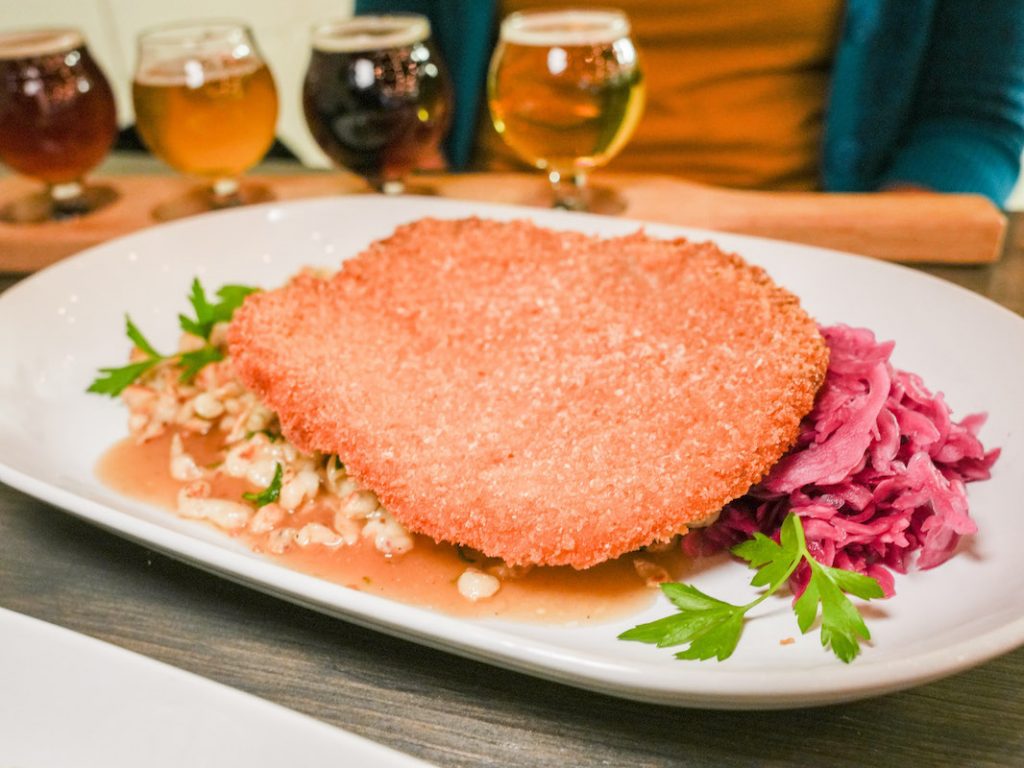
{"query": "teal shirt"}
(923, 92)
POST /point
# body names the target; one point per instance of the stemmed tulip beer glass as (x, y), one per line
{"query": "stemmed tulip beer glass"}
(566, 92)
(206, 104)
(57, 122)
(377, 97)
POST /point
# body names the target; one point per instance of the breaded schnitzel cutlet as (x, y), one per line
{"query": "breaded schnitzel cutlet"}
(544, 397)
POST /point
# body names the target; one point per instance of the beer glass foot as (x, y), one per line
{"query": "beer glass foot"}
(578, 194)
(205, 199)
(570, 190)
(604, 200)
(44, 206)
(420, 184)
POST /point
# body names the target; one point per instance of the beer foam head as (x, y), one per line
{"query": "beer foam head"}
(370, 33)
(570, 27)
(193, 53)
(194, 73)
(198, 38)
(38, 42)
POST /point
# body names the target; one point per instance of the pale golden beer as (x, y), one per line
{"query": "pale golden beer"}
(205, 101)
(565, 88)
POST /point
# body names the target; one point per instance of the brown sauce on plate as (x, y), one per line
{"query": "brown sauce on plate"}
(425, 576)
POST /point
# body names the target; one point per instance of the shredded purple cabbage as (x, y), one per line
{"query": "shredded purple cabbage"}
(878, 472)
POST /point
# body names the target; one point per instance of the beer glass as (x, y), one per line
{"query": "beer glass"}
(57, 121)
(377, 97)
(566, 92)
(205, 104)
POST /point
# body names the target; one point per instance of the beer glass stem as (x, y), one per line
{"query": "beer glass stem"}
(570, 190)
(67, 199)
(225, 193)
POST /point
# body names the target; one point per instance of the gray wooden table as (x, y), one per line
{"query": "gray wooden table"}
(455, 712)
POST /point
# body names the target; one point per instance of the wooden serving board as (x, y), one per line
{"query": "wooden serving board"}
(28, 247)
(907, 227)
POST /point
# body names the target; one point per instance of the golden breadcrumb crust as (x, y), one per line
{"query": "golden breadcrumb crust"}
(544, 397)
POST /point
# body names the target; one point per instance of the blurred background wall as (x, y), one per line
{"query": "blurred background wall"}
(281, 27)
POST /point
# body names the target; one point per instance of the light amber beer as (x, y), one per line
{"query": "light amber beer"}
(565, 88)
(206, 108)
(219, 127)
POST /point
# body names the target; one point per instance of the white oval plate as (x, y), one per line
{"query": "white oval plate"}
(58, 327)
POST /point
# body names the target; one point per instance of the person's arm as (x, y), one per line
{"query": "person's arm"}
(463, 30)
(966, 131)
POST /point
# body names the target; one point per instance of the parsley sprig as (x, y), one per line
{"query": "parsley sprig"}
(113, 381)
(271, 493)
(712, 627)
(207, 314)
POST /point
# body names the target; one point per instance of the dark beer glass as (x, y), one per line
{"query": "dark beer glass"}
(377, 96)
(57, 119)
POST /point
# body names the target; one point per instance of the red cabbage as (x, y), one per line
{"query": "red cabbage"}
(878, 472)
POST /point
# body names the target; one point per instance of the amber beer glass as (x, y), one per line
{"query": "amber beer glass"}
(377, 96)
(566, 91)
(57, 119)
(206, 104)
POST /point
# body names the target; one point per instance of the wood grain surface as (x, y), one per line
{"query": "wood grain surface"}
(454, 712)
(919, 228)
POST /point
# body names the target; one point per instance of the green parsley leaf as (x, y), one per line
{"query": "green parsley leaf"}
(712, 628)
(114, 381)
(269, 494)
(139, 340)
(687, 597)
(757, 551)
(842, 626)
(719, 640)
(774, 562)
(856, 584)
(203, 322)
(193, 362)
(806, 606)
(208, 315)
(231, 298)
